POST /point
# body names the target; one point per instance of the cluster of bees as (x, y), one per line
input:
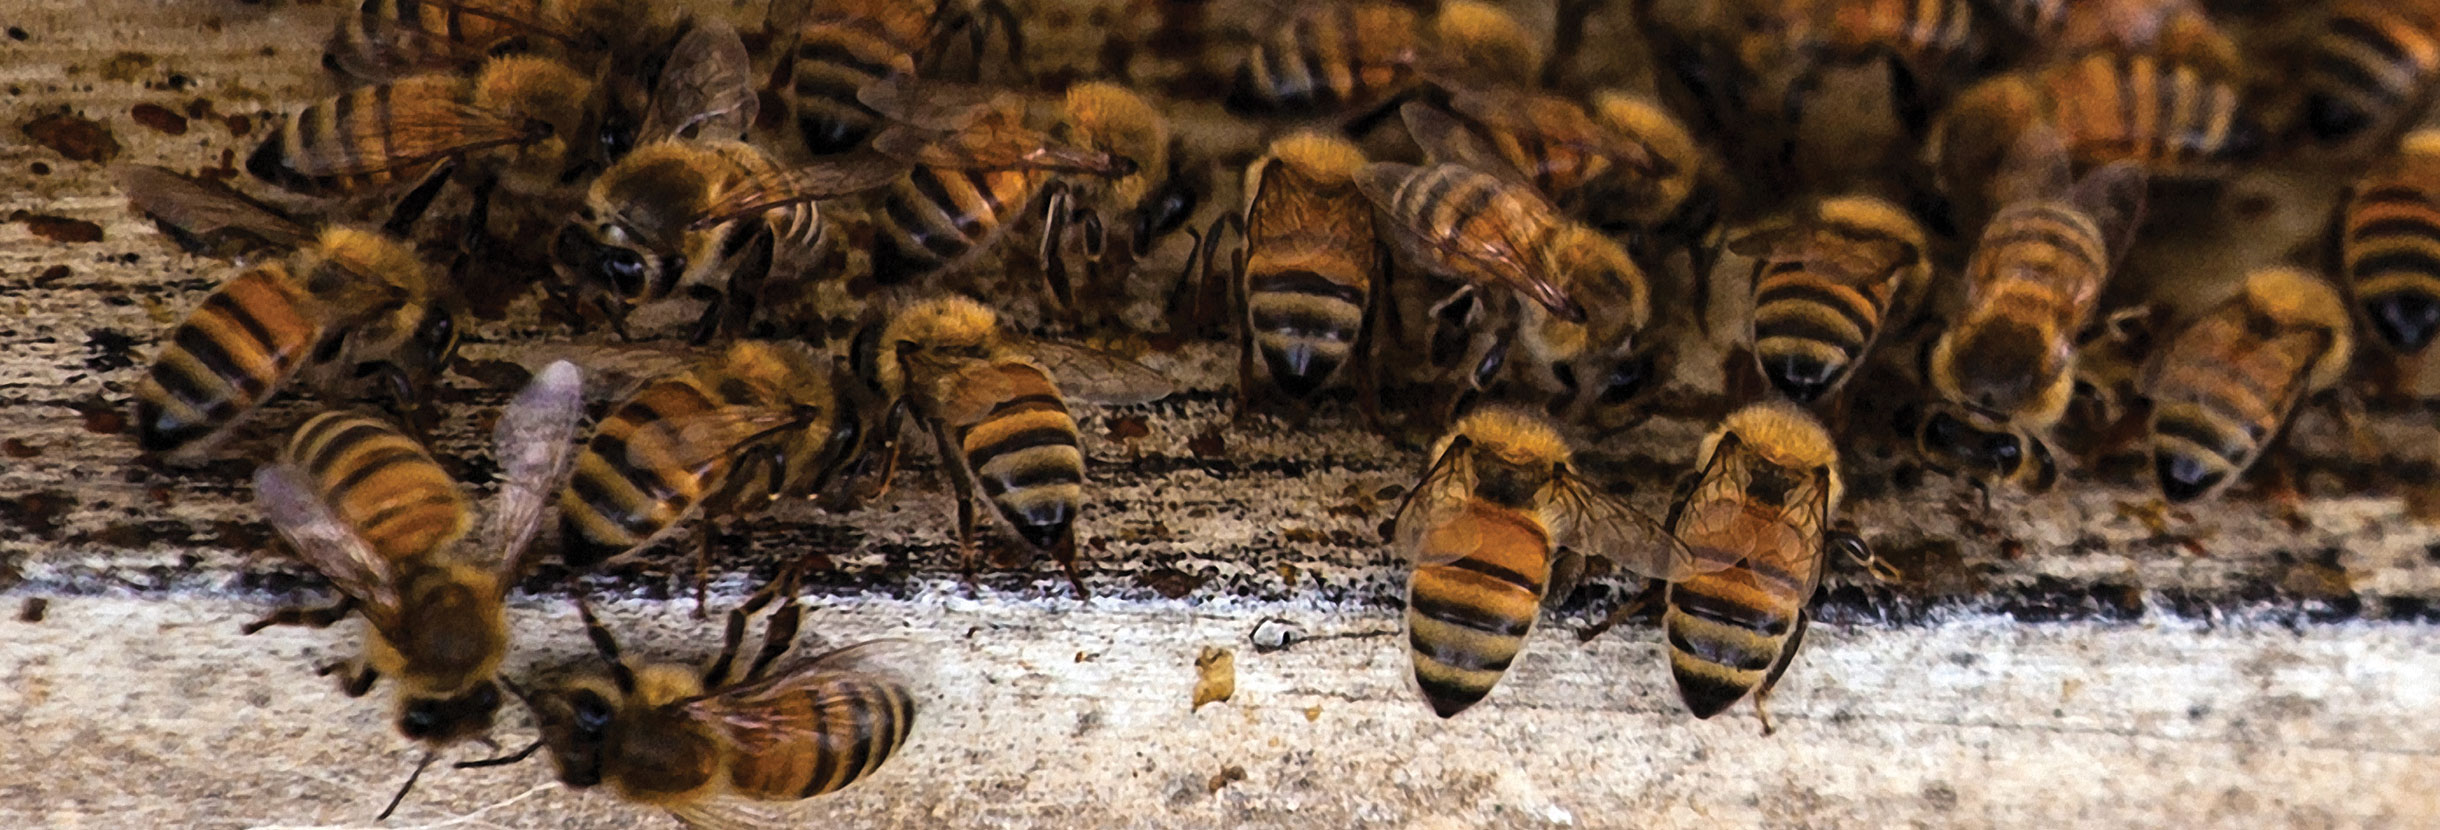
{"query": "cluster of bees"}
(1534, 236)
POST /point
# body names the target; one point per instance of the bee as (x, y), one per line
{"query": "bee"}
(1117, 219)
(728, 745)
(343, 305)
(366, 505)
(1589, 298)
(2005, 370)
(723, 438)
(843, 47)
(996, 405)
(1825, 288)
(1311, 273)
(977, 167)
(2225, 387)
(2383, 239)
(1757, 520)
(1623, 163)
(2178, 119)
(1500, 525)
(1925, 44)
(710, 220)
(389, 39)
(2372, 69)
(371, 137)
(1365, 57)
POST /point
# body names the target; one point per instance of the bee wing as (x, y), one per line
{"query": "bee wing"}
(204, 208)
(327, 543)
(1505, 251)
(2114, 196)
(532, 443)
(775, 707)
(707, 87)
(995, 145)
(1445, 491)
(391, 49)
(828, 178)
(2037, 166)
(1712, 510)
(1595, 523)
(1555, 122)
(934, 105)
(1447, 140)
(1095, 376)
(734, 812)
(703, 440)
(432, 121)
(1781, 243)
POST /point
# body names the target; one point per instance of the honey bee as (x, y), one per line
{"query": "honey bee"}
(2005, 370)
(2225, 387)
(1623, 163)
(388, 39)
(1311, 273)
(1757, 519)
(710, 220)
(1590, 299)
(1499, 525)
(1826, 287)
(526, 107)
(1363, 57)
(723, 438)
(1924, 45)
(978, 167)
(843, 47)
(2383, 241)
(996, 405)
(2064, 28)
(2372, 69)
(729, 745)
(344, 305)
(368, 507)
(2178, 119)
(1117, 219)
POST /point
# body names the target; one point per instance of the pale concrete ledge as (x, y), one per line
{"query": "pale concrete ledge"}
(2077, 659)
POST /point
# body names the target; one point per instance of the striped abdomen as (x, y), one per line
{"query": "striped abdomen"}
(2045, 250)
(1923, 31)
(1310, 259)
(851, 726)
(2228, 385)
(380, 134)
(1467, 617)
(1025, 455)
(386, 38)
(2371, 67)
(2174, 118)
(1731, 631)
(620, 498)
(1811, 328)
(383, 483)
(2392, 250)
(1335, 58)
(245, 341)
(932, 218)
(1459, 210)
(835, 57)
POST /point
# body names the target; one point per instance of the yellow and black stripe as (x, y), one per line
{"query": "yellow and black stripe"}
(1812, 325)
(1732, 633)
(854, 723)
(381, 482)
(2173, 117)
(353, 130)
(1925, 32)
(2390, 247)
(2224, 388)
(1025, 455)
(2371, 69)
(1311, 256)
(933, 217)
(614, 501)
(385, 38)
(227, 357)
(1338, 57)
(840, 53)
(1467, 618)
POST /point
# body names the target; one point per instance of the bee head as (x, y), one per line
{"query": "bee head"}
(1958, 440)
(451, 718)
(575, 722)
(604, 255)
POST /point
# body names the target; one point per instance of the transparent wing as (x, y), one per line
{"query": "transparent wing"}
(936, 105)
(1446, 140)
(1444, 492)
(389, 47)
(327, 543)
(1496, 243)
(2037, 166)
(2114, 196)
(829, 178)
(204, 208)
(701, 441)
(431, 120)
(732, 812)
(1095, 376)
(1595, 523)
(995, 146)
(1557, 123)
(533, 442)
(812, 695)
(1721, 531)
(707, 87)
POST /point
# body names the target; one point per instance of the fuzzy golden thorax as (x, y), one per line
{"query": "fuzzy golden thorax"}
(1868, 217)
(544, 90)
(2300, 300)
(1113, 119)
(1647, 123)
(949, 324)
(1486, 42)
(1783, 434)
(1319, 157)
(1513, 435)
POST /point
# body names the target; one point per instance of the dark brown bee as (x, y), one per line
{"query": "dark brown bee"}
(996, 405)
(1826, 287)
(2225, 387)
(368, 507)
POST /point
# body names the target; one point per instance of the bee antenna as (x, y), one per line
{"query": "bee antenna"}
(503, 760)
(403, 788)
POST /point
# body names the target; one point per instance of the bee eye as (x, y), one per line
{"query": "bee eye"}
(623, 270)
(592, 714)
(2003, 450)
(1166, 212)
(438, 334)
(419, 721)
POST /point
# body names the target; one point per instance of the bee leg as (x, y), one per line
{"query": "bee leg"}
(708, 324)
(962, 481)
(779, 633)
(1787, 655)
(1567, 37)
(747, 283)
(308, 617)
(1065, 554)
(405, 401)
(1625, 611)
(606, 645)
(1911, 101)
(1566, 572)
(1792, 107)
(1849, 543)
(703, 563)
(357, 680)
(734, 634)
(410, 208)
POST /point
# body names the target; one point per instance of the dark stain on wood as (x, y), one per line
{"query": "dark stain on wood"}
(18, 448)
(58, 228)
(109, 350)
(159, 118)
(38, 513)
(73, 137)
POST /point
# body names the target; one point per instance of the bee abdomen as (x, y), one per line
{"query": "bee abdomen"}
(934, 216)
(2170, 116)
(224, 359)
(382, 482)
(1306, 325)
(615, 500)
(1466, 621)
(837, 58)
(1026, 456)
(857, 723)
(1724, 636)
(2370, 65)
(1808, 331)
(328, 130)
(2393, 257)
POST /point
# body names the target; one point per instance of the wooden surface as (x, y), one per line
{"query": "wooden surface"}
(2082, 656)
